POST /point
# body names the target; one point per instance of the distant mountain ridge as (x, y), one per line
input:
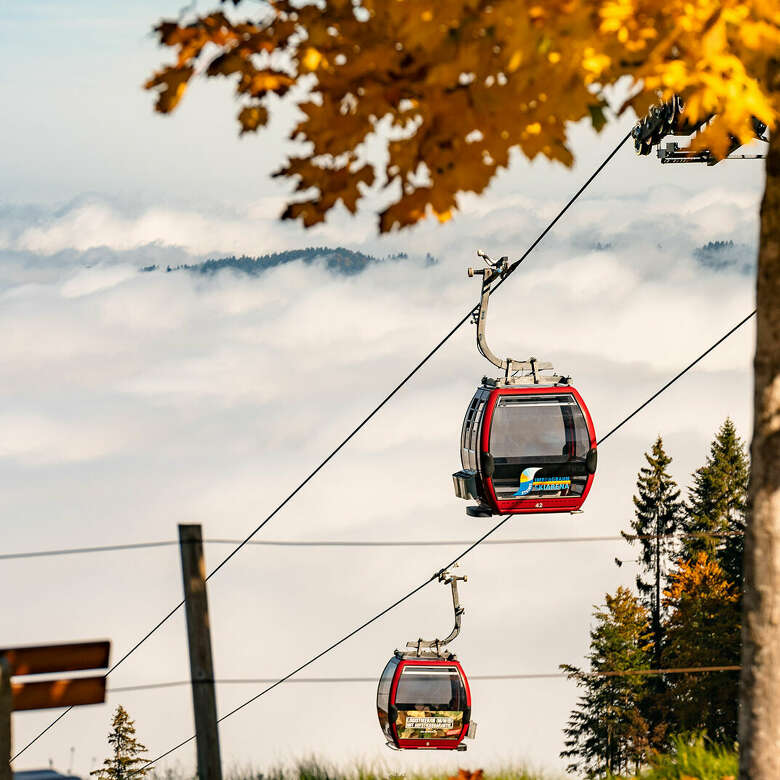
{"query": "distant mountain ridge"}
(338, 259)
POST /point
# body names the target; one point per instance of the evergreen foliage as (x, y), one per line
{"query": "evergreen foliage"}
(607, 732)
(622, 725)
(336, 259)
(717, 502)
(657, 510)
(126, 758)
(703, 629)
(726, 256)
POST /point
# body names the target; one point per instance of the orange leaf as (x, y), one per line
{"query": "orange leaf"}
(170, 83)
(252, 117)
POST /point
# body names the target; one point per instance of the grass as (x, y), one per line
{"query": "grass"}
(691, 758)
(315, 769)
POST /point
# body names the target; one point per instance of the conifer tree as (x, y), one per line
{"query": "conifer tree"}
(657, 511)
(717, 503)
(126, 758)
(703, 629)
(607, 732)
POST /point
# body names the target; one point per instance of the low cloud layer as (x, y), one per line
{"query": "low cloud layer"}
(135, 401)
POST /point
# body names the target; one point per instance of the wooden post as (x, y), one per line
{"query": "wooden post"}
(204, 700)
(5, 719)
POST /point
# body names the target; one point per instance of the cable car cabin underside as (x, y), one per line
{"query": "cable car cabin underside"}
(424, 703)
(526, 449)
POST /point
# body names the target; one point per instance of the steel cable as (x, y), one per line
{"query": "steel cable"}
(357, 428)
(434, 576)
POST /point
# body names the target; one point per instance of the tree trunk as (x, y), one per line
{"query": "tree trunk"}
(657, 610)
(759, 718)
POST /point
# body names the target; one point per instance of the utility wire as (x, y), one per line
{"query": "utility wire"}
(479, 541)
(360, 426)
(360, 543)
(471, 678)
(484, 538)
(431, 579)
(341, 641)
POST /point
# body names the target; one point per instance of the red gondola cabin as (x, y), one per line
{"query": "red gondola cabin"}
(424, 704)
(526, 449)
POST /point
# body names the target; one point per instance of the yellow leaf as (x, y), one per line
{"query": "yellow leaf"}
(506, 75)
(515, 61)
(311, 59)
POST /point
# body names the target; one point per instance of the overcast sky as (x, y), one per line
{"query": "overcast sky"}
(132, 402)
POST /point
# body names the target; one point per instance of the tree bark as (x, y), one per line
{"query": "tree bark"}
(6, 705)
(759, 719)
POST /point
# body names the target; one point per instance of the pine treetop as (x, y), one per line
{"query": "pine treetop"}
(126, 759)
(717, 500)
(657, 510)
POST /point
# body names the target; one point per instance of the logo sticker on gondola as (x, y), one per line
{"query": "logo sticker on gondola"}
(529, 482)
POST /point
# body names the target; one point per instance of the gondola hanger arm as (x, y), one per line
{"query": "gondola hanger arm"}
(528, 369)
(434, 646)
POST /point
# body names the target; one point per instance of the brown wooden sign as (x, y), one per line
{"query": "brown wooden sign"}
(50, 659)
(57, 658)
(58, 693)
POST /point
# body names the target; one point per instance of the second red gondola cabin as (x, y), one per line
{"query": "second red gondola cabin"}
(424, 703)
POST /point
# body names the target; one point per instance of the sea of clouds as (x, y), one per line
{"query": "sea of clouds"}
(131, 402)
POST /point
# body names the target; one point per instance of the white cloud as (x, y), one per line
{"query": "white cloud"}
(135, 401)
(33, 439)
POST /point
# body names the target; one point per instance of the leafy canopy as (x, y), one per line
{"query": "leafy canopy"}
(451, 87)
(703, 629)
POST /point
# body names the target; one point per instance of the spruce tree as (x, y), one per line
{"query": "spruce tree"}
(657, 511)
(607, 732)
(703, 629)
(127, 750)
(717, 503)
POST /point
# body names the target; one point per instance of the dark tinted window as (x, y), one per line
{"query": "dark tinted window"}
(431, 687)
(544, 429)
(385, 683)
(383, 696)
(469, 437)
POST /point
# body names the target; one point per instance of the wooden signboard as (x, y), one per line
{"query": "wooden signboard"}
(57, 693)
(44, 694)
(49, 659)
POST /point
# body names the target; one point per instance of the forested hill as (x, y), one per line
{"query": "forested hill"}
(338, 259)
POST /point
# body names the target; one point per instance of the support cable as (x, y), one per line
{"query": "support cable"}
(675, 378)
(430, 579)
(333, 646)
(357, 428)
(471, 547)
